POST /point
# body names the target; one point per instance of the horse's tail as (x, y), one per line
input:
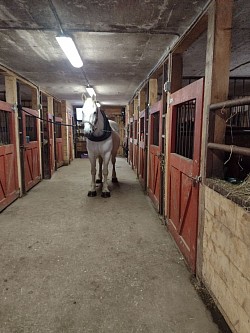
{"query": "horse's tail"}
(114, 125)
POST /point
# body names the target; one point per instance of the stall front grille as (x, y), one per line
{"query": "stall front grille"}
(239, 116)
(184, 139)
(31, 127)
(58, 130)
(4, 128)
(156, 128)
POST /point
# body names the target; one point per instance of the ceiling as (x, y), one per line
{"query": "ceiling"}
(120, 43)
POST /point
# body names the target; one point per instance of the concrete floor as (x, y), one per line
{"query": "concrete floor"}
(70, 263)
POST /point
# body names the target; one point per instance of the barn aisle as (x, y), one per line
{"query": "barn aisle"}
(70, 263)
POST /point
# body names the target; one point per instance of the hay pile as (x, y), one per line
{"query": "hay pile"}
(239, 193)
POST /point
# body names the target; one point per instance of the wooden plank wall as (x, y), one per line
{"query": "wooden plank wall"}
(226, 253)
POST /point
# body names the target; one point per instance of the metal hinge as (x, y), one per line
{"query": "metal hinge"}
(14, 107)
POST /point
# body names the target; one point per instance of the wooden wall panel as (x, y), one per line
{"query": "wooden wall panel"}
(226, 251)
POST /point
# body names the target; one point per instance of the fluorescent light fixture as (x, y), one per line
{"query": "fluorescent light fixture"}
(90, 91)
(98, 104)
(68, 46)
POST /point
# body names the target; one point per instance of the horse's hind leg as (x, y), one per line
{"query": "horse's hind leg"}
(105, 190)
(114, 178)
(99, 179)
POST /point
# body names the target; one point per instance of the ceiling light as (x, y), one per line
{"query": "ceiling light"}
(68, 46)
(90, 91)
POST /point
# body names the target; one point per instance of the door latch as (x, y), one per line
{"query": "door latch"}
(196, 180)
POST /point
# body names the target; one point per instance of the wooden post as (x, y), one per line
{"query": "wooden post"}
(35, 99)
(131, 109)
(35, 105)
(136, 112)
(50, 105)
(216, 90)
(217, 77)
(65, 133)
(176, 72)
(11, 97)
(153, 89)
(142, 100)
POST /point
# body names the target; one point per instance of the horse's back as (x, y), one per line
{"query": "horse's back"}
(115, 136)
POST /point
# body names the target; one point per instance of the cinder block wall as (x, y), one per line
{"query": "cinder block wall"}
(226, 254)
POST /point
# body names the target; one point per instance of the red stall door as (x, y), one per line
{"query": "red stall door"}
(9, 189)
(32, 169)
(184, 168)
(155, 153)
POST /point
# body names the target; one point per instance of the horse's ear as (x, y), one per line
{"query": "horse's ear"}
(84, 97)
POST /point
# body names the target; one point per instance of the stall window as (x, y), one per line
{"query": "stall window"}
(4, 128)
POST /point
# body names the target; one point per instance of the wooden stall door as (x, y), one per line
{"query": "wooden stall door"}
(9, 189)
(135, 145)
(59, 142)
(131, 145)
(51, 144)
(32, 170)
(155, 153)
(142, 163)
(184, 167)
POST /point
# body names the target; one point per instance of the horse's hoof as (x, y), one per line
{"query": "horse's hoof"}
(98, 181)
(91, 193)
(105, 194)
(114, 180)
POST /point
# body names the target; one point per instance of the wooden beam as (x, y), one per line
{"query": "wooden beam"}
(192, 35)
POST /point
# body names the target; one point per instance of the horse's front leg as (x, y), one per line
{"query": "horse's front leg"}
(92, 191)
(105, 190)
(99, 179)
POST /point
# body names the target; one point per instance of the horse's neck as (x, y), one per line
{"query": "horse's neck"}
(99, 124)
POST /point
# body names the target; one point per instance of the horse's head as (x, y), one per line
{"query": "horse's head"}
(89, 115)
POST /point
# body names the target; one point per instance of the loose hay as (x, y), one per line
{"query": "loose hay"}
(239, 193)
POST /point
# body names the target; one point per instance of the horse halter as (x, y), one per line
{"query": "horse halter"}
(90, 123)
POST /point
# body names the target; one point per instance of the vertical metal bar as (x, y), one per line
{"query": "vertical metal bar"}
(21, 138)
(177, 130)
(189, 128)
(182, 128)
(193, 126)
(54, 119)
(186, 130)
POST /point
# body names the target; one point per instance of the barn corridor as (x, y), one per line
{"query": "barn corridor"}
(70, 263)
